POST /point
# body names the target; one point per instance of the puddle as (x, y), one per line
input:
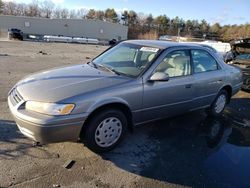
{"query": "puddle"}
(213, 152)
(190, 150)
(230, 162)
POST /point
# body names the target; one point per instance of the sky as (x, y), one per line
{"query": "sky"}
(221, 11)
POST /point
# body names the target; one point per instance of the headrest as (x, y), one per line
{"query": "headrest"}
(180, 60)
(151, 57)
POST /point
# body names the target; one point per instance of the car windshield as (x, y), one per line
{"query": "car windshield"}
(243, 56)
(126, 59)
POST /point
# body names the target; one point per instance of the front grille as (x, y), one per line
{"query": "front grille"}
(15, 97)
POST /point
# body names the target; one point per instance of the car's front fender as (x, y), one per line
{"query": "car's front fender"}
(107, 101)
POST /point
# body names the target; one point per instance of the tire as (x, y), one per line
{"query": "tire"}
(219, 103)
(105, 130)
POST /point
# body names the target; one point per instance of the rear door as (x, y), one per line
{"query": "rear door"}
(208, 76)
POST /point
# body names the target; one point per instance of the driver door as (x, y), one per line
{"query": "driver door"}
(167, 98)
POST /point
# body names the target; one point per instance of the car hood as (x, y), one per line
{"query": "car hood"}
(241, 46)
(58, 84)
(242, 61)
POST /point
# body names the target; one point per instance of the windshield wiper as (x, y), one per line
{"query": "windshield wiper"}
(106, 68)
(92, 63)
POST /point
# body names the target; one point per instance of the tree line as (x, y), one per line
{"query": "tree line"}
(140, 25)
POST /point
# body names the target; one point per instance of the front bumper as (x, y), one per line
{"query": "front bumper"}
(46, 129)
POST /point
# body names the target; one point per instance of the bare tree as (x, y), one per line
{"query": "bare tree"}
(9, 8)
(81, 13)
(1, 6)
(64, 13)
(21, 9)
(47, 8)
(72, 14)
(142, 17)
(34, 9)
(57, 12)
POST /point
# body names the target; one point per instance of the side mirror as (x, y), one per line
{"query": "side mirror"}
(159, 76)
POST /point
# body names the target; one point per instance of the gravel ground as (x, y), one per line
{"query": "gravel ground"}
(169, 153)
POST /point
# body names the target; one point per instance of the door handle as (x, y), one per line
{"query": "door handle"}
(188, 86)
(216, 82)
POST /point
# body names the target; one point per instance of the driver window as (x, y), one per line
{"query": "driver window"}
(176, 63)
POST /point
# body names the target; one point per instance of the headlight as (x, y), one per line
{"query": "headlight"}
(49, 108)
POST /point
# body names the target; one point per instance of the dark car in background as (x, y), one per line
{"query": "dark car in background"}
(112, 42)
(15, 33)
(240, 56)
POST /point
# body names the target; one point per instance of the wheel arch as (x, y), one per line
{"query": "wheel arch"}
(119, 105)
(229, 90)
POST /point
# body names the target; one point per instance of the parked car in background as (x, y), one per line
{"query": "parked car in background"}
(130, 84)
(240, 56)
(209, 47)
(219, 54)
(112, 42)
(15, 33)
(53, 38)
(166, 38)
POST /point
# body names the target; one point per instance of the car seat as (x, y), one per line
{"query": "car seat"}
(181, 67)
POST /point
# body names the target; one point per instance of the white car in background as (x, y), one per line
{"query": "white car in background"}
(219, 54)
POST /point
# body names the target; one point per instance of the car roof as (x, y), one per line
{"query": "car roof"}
(160, 44)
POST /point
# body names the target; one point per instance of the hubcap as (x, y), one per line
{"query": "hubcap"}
(220, 103)
(108, 132)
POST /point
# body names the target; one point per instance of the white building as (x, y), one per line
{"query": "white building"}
(66, 27)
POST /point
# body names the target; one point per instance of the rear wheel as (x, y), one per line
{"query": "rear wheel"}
(219, 103)
(105, 130)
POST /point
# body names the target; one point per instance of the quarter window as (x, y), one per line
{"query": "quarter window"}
(176, 63)
(203, 61)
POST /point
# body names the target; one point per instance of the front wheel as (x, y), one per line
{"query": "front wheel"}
(219, 103)
(105, 130)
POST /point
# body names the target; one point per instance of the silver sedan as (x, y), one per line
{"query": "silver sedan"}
(130, 84)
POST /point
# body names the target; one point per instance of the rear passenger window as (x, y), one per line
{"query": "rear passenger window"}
(203, 61)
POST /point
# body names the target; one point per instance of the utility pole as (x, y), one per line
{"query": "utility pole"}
(178, 34)
(157, 30)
